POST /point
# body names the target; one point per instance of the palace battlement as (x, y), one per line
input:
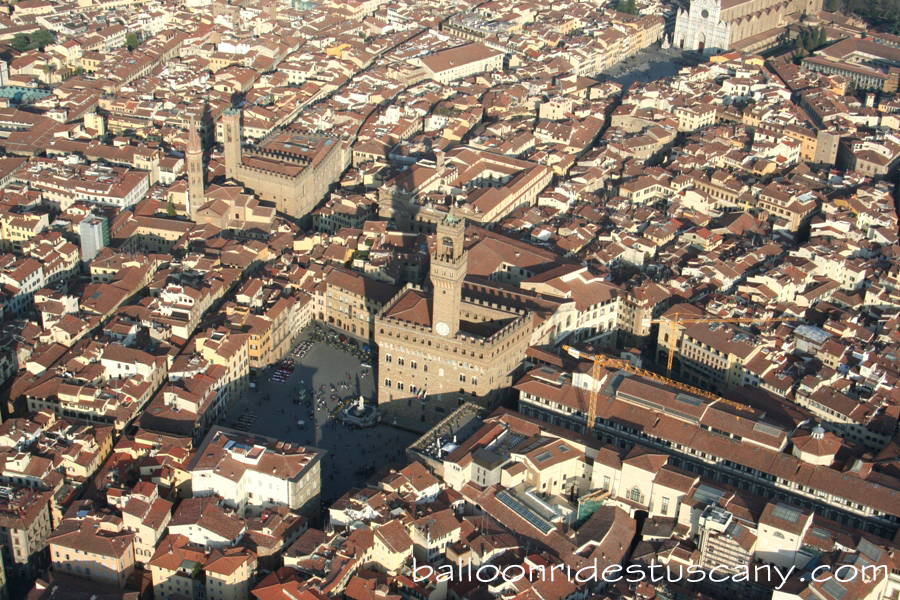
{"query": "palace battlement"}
(272, 174)
(494, 305)
(495, 339)
(281, 155)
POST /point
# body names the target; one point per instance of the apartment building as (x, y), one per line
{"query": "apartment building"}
(637, 307)
(25, 524)
(97, 549)
(393, 547)
(350, 301)
(252, 473)
(270, 332)
(231, 350)
(21, 277)
(146, 515)
(188, 404)
(63, 185)
(182, 569)
(433, 534)
(19, 227)
(341, 212)
(596, 304)
(74, 449)
(485, 186)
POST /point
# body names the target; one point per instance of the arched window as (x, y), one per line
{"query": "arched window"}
(635, 495)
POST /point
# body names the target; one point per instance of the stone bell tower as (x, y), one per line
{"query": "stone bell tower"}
(194, 159)
(449, 264)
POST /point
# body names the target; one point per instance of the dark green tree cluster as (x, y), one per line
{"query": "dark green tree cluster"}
(810, 40)
(883, 13)
(131, 41)
(29, 41)
(627, 6)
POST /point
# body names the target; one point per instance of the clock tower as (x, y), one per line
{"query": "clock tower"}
(449, 264)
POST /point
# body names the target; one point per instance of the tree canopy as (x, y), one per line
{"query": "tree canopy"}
(29, 41)
(809, 40)
(885, 13)
(131, 41)
(629, 7)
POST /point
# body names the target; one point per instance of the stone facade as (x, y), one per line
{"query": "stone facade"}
(292, 170)
(440, 349)
(713, 26)
(194, 159)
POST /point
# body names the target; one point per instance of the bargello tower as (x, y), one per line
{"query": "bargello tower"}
(454, 343)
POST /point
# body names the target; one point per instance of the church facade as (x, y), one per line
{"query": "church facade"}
(713, 26)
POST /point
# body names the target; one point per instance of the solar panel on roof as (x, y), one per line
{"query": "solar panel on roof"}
(869, 550)
(708, 494)
(785, 512)
(834, 589)
(860, 559)
(688, 399)
(524, 512)
(768, 429)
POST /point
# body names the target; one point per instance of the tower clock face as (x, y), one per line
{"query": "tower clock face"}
(442, 328)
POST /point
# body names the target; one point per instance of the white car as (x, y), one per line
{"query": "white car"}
(301, 423)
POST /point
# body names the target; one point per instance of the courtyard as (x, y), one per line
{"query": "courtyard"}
(331, 377)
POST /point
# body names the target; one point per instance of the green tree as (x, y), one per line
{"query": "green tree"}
(42, 39)
(822, 38)
(627, 7)
(20, 42)
(131, 41)
(39, 39)
(809, 41)
(170, 209)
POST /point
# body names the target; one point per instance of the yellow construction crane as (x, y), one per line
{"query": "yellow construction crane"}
(687, 318)
(600, 362)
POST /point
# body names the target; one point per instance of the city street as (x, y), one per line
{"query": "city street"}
(353, 455)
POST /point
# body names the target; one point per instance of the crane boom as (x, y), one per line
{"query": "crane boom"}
(686, 318)
(600, 362)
